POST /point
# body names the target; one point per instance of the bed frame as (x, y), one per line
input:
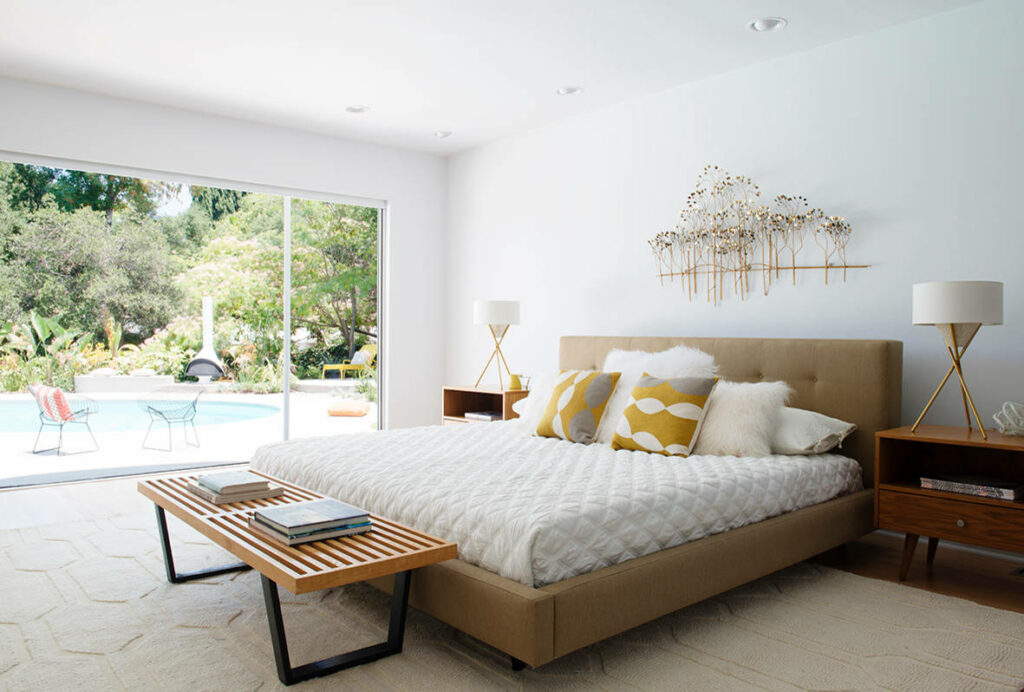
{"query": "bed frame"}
(855, 380)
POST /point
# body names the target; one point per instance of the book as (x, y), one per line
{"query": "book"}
(321, 535)
(483, 415)
(226, 482)
(303, 517)
(224, 498)
(980, 486)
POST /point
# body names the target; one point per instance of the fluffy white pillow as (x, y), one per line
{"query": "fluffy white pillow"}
(798, 431)
(531, 407)
(676, 362)
(741, 418)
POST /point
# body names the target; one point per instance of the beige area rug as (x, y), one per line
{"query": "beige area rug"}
(85, 606)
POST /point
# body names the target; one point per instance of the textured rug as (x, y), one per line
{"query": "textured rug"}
(84, 606)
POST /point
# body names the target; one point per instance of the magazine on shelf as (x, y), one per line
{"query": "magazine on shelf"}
(225, 498)
(980, 486)
(321, 535)
(303, 517)
(228, 482)
(483, 415)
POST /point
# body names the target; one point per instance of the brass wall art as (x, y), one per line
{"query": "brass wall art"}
(724, 236)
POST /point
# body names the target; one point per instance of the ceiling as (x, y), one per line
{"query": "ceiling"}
(481, 69)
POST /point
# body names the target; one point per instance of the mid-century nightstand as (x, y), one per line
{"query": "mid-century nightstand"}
(901, 504)
(456, 401)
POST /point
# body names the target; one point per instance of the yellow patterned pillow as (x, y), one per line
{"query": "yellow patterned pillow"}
(664, 416)
(577, 404)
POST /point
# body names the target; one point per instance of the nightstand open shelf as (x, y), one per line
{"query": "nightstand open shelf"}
(457, 401)
(903, 457)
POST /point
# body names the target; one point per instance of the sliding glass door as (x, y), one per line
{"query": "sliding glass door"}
(195, 322)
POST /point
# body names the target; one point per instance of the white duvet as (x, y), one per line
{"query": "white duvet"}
(540, 510)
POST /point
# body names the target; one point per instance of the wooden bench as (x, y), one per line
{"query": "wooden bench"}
(389, 549)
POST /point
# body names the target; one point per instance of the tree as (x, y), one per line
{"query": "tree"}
(27, 185)
(106, 193)
(334, 270)
(215, 201)
(76, 268)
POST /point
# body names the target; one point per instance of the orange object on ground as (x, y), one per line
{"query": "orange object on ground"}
(348, 407)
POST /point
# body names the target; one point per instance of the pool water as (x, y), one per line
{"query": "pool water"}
(119, 415)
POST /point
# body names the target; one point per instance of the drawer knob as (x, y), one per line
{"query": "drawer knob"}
(961, 523)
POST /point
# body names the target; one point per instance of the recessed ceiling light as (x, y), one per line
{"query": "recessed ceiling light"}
(357, 108)
(768, 24)
(441, 134)
(568, 90)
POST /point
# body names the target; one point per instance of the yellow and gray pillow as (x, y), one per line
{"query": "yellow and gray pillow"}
(664, 415)
(577, 404)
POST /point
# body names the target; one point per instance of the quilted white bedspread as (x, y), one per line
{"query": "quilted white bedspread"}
(540, 510)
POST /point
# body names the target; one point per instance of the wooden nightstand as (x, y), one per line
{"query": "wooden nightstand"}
(901, 504)
(456, 401)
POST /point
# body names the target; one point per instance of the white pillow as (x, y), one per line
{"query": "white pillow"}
(676, 362)
(531, 407)
(798, 431)
(143, 372)
(741, 419)
(103, 372)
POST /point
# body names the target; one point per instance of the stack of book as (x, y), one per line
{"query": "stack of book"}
(233, 486)
(981, 486)
(315, 520)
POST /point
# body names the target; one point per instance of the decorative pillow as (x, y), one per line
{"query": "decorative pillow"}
(53, 402)
(741, 419)
(676, 362)
(143, 372)
(798, 431)
(664, 415)
(531, 408)
(576, 405)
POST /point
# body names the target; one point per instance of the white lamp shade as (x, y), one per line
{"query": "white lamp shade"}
(958, 302)
(495, 312)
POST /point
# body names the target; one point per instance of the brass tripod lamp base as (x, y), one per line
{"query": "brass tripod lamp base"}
(498, 315)
(958, 309)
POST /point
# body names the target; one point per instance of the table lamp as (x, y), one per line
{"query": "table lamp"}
(498, 315)
(958, 309)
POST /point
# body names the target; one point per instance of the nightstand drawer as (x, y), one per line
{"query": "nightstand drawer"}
(964, 521)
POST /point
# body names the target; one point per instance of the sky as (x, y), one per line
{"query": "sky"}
(173, 206)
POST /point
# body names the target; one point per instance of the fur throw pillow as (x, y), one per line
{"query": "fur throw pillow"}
(741, 419)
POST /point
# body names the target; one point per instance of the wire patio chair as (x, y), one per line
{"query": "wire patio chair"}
(58, 409)
(166, 407)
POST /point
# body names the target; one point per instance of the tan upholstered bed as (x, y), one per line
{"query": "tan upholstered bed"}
(854, 380)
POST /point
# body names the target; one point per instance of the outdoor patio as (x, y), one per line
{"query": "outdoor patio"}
(222, 442)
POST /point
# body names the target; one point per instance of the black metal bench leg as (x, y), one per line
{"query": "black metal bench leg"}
(175, 577)
(289, 675)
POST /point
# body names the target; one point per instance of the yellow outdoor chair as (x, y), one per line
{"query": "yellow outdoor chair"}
(363, 360)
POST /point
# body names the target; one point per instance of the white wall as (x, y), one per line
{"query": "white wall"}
(913, 134)
(44, 121)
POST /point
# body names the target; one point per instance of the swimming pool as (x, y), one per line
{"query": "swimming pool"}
(120, 415)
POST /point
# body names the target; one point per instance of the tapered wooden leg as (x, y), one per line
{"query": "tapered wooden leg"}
(909, 544)
(933, 543)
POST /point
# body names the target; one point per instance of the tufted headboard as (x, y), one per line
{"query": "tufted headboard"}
(855, 380)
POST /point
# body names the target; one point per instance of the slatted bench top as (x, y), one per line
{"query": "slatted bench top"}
(389, 548)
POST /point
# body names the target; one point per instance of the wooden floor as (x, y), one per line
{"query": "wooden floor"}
(983, 578)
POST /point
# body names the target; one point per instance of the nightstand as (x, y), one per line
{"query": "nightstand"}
(901, 504)
(456, 401)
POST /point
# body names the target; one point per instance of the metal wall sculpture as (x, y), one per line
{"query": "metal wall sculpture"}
(724, 236)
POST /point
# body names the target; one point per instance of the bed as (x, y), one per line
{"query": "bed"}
(556, 570)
